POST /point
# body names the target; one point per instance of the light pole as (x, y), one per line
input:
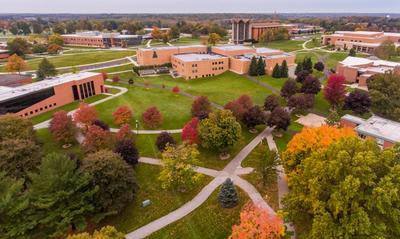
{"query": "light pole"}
(137, 126)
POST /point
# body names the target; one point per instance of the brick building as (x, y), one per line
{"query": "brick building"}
(102, 40)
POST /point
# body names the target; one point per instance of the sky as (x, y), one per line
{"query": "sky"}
(198, 6)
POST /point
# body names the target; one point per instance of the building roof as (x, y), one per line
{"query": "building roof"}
(232, 47)
(357, 61)
(170, 47)
(12, 80)
(97, 34)
(264, 50)
(381, 128)
(13, 92)
(3, 51)
(353, 119)
(198, 57)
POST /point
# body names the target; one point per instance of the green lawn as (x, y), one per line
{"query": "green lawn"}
(321, 106)
(285, 45)
(174, 108)
(45, 139)
(209, 221)
(281, 142)
(187, 41)
(116, 68)
(68, 107)
(276, 83)
(315, 42)
(80, 59)
(301, 55)
(162, 201)
(145, 143)
(270, 189)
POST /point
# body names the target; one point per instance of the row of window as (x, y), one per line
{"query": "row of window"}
(39, 109)
(217, 68)
(218, 63)
(195, 77)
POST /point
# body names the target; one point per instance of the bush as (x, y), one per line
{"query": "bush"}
(163, 140)
(176, 90)
(122, 115)
(201, 107)
(152, 118)
(127, 150)
(227, 196)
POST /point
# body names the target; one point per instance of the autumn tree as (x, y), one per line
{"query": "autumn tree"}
(301, 102)
(107, 232)
(114, 179)
(56, 39)
(268, 164)
(122, 115)
(116, 78)
(54, 49)
(101, 124)
(228, 196)
(311, 85)
(271, 102)
(335, 90)
(18, 46)
(289, 88)
(127, 150)
(104, 75)
(96, 138)
(176, 89)
(45, 69)
(279, 118)
(178, 172)
(385, 50)
(152, 118)
(14, 127)
(220, 131)
(156, 33)
(319, 66)
(189, 131)
(240, 106)
(85, 114)
(163, 140)
(213, 39)
(124, 132)
(302, 76)
(16, 64)
(63, 128)
(201, 107)
(253, 117)
(358, 101)
(257, 222)
(333, 118)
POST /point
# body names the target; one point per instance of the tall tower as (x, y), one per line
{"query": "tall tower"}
(241, 30)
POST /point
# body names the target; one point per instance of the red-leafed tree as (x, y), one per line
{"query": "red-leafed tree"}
(62, 127)
(176, 90)
(335, 90)
(236, 108)
(257, 222)
(124, 132)
(201, 107)
(85, 114)
(122, 115)
(116, 78)
(104, 75)
(152, 118)
(96, 138)
(189, 131)
(245, 101)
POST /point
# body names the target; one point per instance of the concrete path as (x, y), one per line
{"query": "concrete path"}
(171, 131)
(148, 44)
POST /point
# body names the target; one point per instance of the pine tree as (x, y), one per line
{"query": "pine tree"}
(261, 66)
(227, 196)
(352, 52)
(299, 68)
(284, 70)
(276, 72)
(45, 69)
(307, 64)
(253, 67)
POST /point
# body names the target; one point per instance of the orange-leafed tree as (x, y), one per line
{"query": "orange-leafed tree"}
(152, 118)
(16, 64)
(124, 132)
(156, 33)
(54, 49)
(311, 140)
(96, 138)
(85, 114)
(116, 78)
(122, 115)
(62, 127)
(257, 222)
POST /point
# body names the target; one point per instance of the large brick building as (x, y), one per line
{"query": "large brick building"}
(362, 41)
(102, 40)
(38, 97)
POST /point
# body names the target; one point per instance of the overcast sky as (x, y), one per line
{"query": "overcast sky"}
(196, 6)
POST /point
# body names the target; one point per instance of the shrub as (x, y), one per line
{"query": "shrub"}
(122, 115)
(152, 118)
(163, 140)
(227, 196)
(176, 89)
(127, 150)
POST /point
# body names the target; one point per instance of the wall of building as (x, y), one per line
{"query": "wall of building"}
(198, 69)
(83, 41)
(160, 56)
(349, 73)
(271, 62)
(221, 51)
(239, 66)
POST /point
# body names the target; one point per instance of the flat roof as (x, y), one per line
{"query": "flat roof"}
(356, 61)
(381, 128)
(13, 92)
(232, 47)
(169, 47)
(262, 50)
(13, 79)
(198, 57)
(354, 119)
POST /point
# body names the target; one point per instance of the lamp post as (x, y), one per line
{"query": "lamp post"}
(137, 126)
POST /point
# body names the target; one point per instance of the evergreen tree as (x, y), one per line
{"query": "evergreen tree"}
(261, 66)
(227, 196)
(253, 67)
(284, 70)
(307, 64)
(276, 72)
(45, 69)
(299, 68)
(352, 52)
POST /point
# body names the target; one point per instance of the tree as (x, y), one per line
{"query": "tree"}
(58, 28)
(122, 115)
(299, 68)
(279, 118)
(85, 114)
(18, 156)
(18, 46)
(63, 128)
(335, 90)
(227, 196)
(253, 117)
(101, 124)
(54, 49)
(178, 172)
(284, 70)
(104, 75)
(253, 71)
(384, 91)
(289, 88)
(219, 131)
(176, 89)
(56, 39)
(213, 39)
(386, 50)
(245, 101)
(127, 150)
(257, 222)
(347, 190)
(16, 64)
(15, 127)
(114, 178)
(156, 33)
(124, 132)
(307, 64)
(333, 118)
(260, 66)
(175, 32)
(190, 134)
(301, 102)
(152, 118)
(45, 69)
(163, 140)
(107, 232)
(276, 72)
(311, 85)
(271, 102)
(311, 140)
(302, 76)
(96, 139)
(269, 162)
(236, 108)
(319, 66)
(60, 196)
(201, 107)
(358, 101)
(39, 48)
(352, 52)
(116, 78)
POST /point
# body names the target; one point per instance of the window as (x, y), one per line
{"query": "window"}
(380, 142)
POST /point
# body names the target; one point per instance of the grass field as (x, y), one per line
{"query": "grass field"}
(49, 145)
(80, 59)
(116, 68)
(276, 83)
(284, 45)
(209, 221)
